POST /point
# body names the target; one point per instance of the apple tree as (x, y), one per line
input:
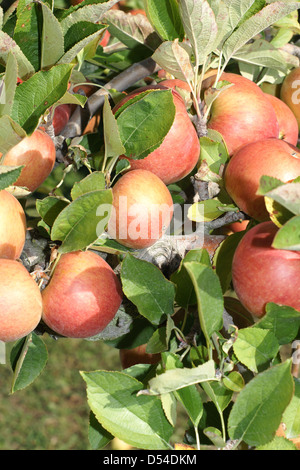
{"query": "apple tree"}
(152, 101)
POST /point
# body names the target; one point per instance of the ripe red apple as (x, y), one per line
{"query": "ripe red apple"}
(142, 209)
(271, 157)
(20, 300)
(288, 125)
(289, 92)
(37, 153)
(241, 113)
(175, 82)
(61, 116)
(82, 296)
(263, 274)
(179, 152)
(12, 226)
(138, 355)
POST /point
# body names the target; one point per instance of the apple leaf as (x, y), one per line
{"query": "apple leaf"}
(255, 347)
(77, 37)
(8, 175)
(112, 140)
(9, 84)
(179, 378)
(288, 236)
(135, 31)
(98, 436)
(257, 410)
(52, 40)
(27, 31)
(147, 288)
(262, 53)
(136, 419)
(256, 24)
(28, 358)
(93, 182)
(291, 415)
(88, 10)
(81, 222)
(11, 133)
(49, 208)
(144, 124)
(209, 297)
(288, 195)
(175, 58)
(37, 94)
(8, 45)
(278, 443)
(200, 27)
(165, 18)
(283, 321)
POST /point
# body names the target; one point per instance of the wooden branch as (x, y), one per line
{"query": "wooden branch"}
(121, 82)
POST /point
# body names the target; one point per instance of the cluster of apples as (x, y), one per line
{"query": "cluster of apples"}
(261, 133)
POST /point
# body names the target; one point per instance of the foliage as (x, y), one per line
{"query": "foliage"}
(229, 372)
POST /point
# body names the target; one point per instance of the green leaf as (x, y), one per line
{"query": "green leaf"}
(165, 18)
(7, 46)
(28, 358)
(9, 175)
(49, 208)
(98, 436)
(11, 133)
(219, 394)
(288, 195)
(138, 420)
(175, 58)
(288, 236)
(213, 150)
(9, 84)
(27, 33)
(134, 31)
(223, 257)
(144, 124)
(255, 24)
(112, 140)
(208, 210)
(278, 443)
(257, 411)
(234, 381)
(37, 94)
(200, 27)
(82, 221)
(52, 40)
(176, 379)
(291, 415)
(185, 292)
(262, 53)
(209, 297)
(93, 182)
(87, 10)
(255, 347)
(147, 288)
(282, 320)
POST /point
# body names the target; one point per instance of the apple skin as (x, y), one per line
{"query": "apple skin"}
(289, 92)
(179, 152)
(241, 113)
(37, 153)
(12, 226)
(262, 274)
(142, 209)
(61, 116)
(82, 296)
(288, 125)
(21, 301)
(138, 355)
(175, 82)
(271, 157)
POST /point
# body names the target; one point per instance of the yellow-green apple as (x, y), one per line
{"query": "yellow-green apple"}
(12, 226)
(37, 153)
(288, 126)
(138, 355)
(262, 274)
(82, 296)
(179, 152)
(270, 157)
(142, 209)
(289, 92)
(61, 116)
(20, 300)
(241, 113)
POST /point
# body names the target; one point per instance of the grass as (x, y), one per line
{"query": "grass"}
(52, 413)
